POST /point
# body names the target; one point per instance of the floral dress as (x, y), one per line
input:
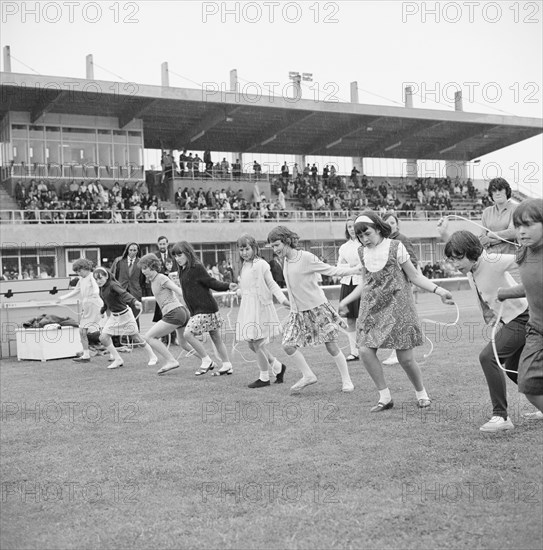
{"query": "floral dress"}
(388, 317)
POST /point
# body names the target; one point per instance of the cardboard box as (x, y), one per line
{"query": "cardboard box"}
(47, 343)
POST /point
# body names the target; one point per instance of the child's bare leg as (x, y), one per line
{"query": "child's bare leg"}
(189, 342)
(373, 366)
(153, 338)
(153, 359)
(308, 376)
(411, 368)
(85, 356)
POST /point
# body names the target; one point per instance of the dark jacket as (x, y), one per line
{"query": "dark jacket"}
(196, 284)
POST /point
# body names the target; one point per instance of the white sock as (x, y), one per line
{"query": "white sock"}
(150, 352)
(341, 363)
(86, 354)
(299, 360)
(206, 361)
(352, 342)
(276, 366)
(421, 394)
(226, 365)
(264, 376)
(114, 354)
(384, 396)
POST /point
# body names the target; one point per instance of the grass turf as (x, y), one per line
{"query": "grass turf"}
(93, 458)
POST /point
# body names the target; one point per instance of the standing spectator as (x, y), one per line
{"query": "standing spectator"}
(285, 172)
(208, 162)
(236, 170)
(498, 219)
(257, 170)
(128, 274)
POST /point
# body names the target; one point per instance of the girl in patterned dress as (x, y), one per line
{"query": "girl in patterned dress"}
(257, 321)
(312, 318)
(388, 317)
(196, 284)
(173, 314)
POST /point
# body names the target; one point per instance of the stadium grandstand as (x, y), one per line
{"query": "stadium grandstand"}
(74, 184)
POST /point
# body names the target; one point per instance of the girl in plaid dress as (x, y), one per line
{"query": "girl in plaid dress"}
(388, 318)
(312, 318)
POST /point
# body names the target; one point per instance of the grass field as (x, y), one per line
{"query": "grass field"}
(93, 458)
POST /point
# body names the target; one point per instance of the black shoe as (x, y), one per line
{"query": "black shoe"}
(382, 407)
(279, 377)
(259, 384)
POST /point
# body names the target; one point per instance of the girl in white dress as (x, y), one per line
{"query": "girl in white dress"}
(257, 321)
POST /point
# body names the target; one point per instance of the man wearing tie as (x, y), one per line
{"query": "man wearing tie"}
(125, 269)
(167, 264)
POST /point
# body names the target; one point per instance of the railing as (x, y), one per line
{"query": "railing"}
(206, 216)
(72, 171)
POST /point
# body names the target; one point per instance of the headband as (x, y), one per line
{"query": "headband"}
(364, 219)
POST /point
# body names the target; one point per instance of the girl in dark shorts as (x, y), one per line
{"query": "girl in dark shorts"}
(528, 220)
(174, 314)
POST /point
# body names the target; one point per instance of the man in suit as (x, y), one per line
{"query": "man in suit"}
(167, 265)
(125, 269)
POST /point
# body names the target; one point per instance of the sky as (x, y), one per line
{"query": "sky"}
(492, 51)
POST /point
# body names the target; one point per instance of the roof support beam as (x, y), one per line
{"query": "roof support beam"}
(336, 136)
(378, 149)
(438, 149)
(270, 133)
(212, 118)
(48, 100)
(135, 112)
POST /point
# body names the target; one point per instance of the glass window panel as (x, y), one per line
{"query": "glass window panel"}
(105, 154)
(10, 268)
(135, 155)
(20, 151)
(104, 136)
(36, 132)
(37, 151)
(134, 138)
(46, 265)
(120, 152)
(53, 152)
(52, 133)
(81, 153)
(19, 131)
(78, 134)
(119, 136)
(29, 264)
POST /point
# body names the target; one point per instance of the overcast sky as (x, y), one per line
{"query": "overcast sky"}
(491, 51)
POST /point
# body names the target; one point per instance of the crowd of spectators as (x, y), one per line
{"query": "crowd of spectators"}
(87, 200)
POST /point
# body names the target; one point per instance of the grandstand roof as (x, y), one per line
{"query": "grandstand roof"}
(180, 118)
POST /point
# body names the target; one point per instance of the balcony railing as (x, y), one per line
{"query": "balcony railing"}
(205, 216)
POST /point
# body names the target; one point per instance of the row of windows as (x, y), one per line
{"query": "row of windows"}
(30, 263)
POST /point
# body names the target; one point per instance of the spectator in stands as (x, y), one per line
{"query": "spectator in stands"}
(285, 172)
(208, 162)
(314, 172)
(257, 170)
(225, 167)
(236, 170)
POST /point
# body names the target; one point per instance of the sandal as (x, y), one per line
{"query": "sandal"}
(203, 370)
(352, 357)
(221, 372)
